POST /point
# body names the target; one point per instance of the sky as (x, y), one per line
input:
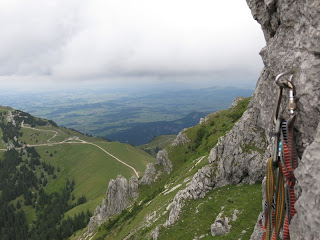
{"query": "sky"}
(63, 44)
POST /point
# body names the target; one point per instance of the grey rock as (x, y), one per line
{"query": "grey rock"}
(219, 228)
(236, 102)
(181, 139)
(119, 196)
(10, 118)
(155, 233)
(222, 225)
(133, 188)
(306, 223)
(203, 120)
(149, 175)
(292, 33)
(201, 183)
(163, 159)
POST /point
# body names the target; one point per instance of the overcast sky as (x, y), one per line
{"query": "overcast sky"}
(71, 42)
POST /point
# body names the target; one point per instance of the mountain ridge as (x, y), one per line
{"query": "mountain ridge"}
(55, 172)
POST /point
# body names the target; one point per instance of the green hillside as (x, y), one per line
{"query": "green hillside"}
(158, 143)
(196, 216)
(56, 164)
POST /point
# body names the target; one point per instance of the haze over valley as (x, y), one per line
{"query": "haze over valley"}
(129, 116)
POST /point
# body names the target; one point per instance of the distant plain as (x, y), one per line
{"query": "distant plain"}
(104, 112)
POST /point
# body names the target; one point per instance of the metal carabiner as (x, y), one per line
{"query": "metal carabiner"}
(292, 103)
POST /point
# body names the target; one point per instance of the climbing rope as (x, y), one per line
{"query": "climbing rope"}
(280, 198)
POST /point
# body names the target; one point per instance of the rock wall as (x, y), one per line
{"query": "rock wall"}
(181, 138)
(118, 197)
(292, 33)
(149, 175)
(163, 159)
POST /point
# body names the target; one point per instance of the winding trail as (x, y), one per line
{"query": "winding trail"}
(72, 140)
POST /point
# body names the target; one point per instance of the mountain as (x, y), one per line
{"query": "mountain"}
(178, 196)
(52, 178)
(142, 133)
(158, 143)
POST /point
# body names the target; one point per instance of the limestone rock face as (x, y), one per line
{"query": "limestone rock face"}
(240, 154)
(163, 159)
(236, 101)
(149, 175)
(181, 139)
(292, 33)
(118, 197)
(133, 188)
(307, 222)
(201, 183)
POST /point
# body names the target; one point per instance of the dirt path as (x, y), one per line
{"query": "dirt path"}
(73, 141)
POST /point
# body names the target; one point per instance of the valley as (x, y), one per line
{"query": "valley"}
(55, 157)
(132, 116)
(181, 199)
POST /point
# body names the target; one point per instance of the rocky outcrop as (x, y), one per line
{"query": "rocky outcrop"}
(292, 32)
(181, 139)
(163, 159)
(10, 118)
(149, 175)
(203, 120)
(221, 225)
(119, 196)
(133, 188)
(236, 102)
(240, 155)
(201, 183)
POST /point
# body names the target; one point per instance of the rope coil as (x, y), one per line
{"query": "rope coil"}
(280, 198)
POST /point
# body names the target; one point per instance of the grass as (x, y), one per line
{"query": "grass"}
(158, 143)
(90, 167)
(184, 158)
(197, 216)
(2, 144)
(129, 154)
(32, 136)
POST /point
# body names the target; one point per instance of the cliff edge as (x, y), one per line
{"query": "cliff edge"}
(292, 33)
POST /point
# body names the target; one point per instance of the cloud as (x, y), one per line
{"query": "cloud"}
(118, 39)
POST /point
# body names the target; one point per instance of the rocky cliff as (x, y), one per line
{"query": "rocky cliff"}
(163, 159)
(292, 33)
(119, 195)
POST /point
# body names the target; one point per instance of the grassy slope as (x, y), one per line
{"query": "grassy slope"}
(244, 198)
(159, 142)
(89, 166)
(198, 215)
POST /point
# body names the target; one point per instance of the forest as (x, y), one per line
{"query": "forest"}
(23, 178)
